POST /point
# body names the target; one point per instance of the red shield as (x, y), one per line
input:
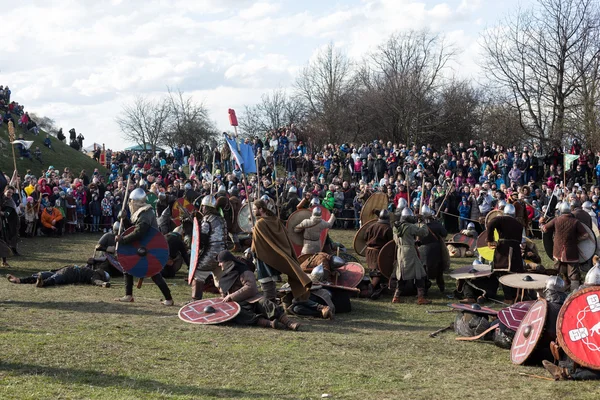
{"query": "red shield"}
(325, 215)
(463, 240)
(182, 209)
(350, 275)
(473, 308)
(512, 316)
(145, 257)
(529, 332)
(195, 312)
(297, 238)
(195, 250)
(578, 327)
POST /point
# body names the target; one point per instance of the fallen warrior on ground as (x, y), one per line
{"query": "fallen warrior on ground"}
(65, 276)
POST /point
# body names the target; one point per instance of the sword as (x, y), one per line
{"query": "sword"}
(434, 334)
(439, 311)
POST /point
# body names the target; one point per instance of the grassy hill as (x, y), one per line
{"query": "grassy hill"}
(62, 156)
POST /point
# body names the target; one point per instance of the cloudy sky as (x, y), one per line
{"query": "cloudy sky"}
(78, 62)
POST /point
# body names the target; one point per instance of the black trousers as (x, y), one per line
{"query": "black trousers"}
(158, 279)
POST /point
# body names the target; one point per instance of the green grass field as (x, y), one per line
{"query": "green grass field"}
(75, 342)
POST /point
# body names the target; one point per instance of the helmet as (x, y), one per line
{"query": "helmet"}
(162, 195)
(407, 212)
(222, 188)
(337, 261)
(555, 283)
(509, 209)
(316, 212)
(137, 194)
(293, 190)
(501, 204)
(188, 186)
(426, 211)
(116, 226)
(178, 230)
(592, 278)
(564, 207)
(402, 203)
(143, 184)
(587, 206)
(477, 262)
(470, 225)
(209, 201)
(317, 273)
(315, 202)
(384, 215)
(575, 203)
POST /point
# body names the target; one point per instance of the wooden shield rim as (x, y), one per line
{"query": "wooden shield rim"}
(591, 237)
(517, 306)
(491, 215)
(358, 265)
(485, 273)
(196, 255)
(559, 322)
(294, 219)
(360, 235)
(382, 253)
(244, 226)
(540, 278)
(239, 309)
(538, 333)
(373, 203)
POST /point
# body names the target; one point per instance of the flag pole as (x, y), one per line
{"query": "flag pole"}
(11, 138)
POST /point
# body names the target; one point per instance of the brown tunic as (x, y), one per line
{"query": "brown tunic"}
(507, 256)
(236, 205)
(377, 236)
(567, 231)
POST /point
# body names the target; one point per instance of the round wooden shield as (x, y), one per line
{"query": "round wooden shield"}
(484, 251)
(145, 257)
(525, 281)
(377, 201)
(548, 242)
(244, 218)
(472, 272)
(474, 308)
(512, 316)
(463, 240)
(194, 251)
(578, 327)
(181, 209)
(360, 240)
(297, 238)
(491, 215)
(529, 332)
(325, 215)
(195, 313)
(387, 259)
(112, 260)
(350, 275)
(587, 247)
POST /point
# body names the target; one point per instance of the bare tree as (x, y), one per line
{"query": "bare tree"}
(47, 124)
(539, 58)
(144, 122)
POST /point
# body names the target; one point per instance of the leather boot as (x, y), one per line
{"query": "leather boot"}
(421, 297)
(265, 323)
(574, 285)
(197, 289)
(397, 299)
(326, 312)
(269, 290)
(291, 325)
(555, 350)
(557, 372)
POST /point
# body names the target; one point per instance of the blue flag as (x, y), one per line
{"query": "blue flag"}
(244, 157)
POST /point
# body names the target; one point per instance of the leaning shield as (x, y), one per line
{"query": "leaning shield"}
(375, 203)
(472, 272)
(474, 308)
(297, 238)
(194, 251)
(209, 311)
(578, 327)
(482, 248)
(144, 257)
(529, 332)
(463, 240)
(360, 239)
(387, 259)
(349, 275)
(244, 219)
(491, 215)
(182, 209)
(512, 316)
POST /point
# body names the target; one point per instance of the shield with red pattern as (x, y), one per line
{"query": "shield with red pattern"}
(463, 240)
(209, 311)
(297, 238)
(512, 316)
(325, 215)
(194, 251)
(578, 327)
(182, 209)
(144, 257)
(348, 275)
(529, 332)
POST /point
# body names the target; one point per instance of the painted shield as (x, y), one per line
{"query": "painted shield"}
(112, 260)
(360, 240)
(463, 240)
(194, 251)
(182, 209)
(350, 275)
(376, 202)
(529, 332)
(473, 308)
(145, 257)
(151, 199)
(525, 281)
(244, 218)
(297, 238)
(512, 316)
(491, 215)
(197, 313)
(472, 272)
(484, 251)
(578, 327)
(387, 259)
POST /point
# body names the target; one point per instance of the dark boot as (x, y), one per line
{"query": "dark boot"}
(326, 312)
(378, 291)
(15, 251)
(269, 290)
(421, 297)
(440, 283)
(197, 289)
(291, 325)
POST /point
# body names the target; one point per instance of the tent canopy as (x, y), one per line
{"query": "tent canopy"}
(139, 147)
